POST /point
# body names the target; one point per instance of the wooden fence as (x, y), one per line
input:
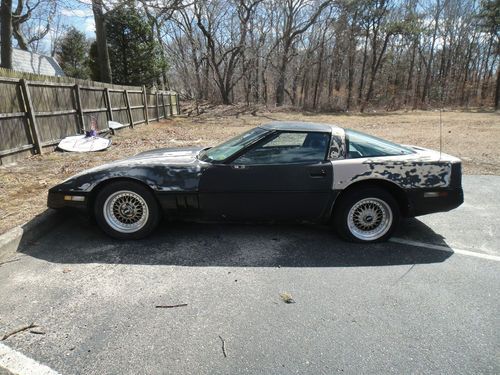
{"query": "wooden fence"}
(37, 114)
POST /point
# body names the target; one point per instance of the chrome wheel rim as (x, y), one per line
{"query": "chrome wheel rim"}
(126, 211)
(369, 219)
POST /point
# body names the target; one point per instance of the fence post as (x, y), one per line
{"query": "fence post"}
(31, 116)
(79, 108)
(163, 102)
(129, 111)
(172, 103)
(170, 106)
(157, 108)
(108, 103)
(177, 104)
(145, 102)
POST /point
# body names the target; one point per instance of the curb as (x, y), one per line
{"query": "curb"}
(28, 232)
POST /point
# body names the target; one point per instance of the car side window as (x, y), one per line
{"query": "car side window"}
(362, 145)
(287, 148)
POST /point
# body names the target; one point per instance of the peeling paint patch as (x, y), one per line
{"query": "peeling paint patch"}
(337, 146)
(337, 149)
(425, 169)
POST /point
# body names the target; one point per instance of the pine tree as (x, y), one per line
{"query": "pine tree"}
(72, 54)
(135, 55)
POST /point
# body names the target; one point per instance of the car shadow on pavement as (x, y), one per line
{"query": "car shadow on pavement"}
(78, 240)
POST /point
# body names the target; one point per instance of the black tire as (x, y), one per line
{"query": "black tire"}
(381, 202)
(142, 205)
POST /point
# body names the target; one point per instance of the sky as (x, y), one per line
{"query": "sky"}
(76, 13)
(80, 17)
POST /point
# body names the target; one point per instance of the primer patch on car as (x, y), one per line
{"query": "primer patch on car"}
(424, 169)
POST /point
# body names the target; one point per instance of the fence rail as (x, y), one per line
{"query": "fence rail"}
(36, 114)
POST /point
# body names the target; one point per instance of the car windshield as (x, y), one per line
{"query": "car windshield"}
(231, 147)
(362, 145)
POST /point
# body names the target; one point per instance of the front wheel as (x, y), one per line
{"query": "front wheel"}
(126, 210)
(366, 215)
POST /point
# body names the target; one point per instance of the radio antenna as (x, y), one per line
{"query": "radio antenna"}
(440, 121)
(440, 132)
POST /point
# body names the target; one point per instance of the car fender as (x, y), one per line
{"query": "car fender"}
(406, 172)
(158, 178)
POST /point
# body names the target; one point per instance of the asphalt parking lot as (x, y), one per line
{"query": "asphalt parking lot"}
(426, 303)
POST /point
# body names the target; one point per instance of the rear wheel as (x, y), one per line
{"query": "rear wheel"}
(126, 210)
(366, 215)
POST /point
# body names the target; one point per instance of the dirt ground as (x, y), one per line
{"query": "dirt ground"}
(472, 136)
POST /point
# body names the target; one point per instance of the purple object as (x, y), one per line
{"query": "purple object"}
(90, 133)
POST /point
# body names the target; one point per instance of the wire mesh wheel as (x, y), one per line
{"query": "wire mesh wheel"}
(126, 211)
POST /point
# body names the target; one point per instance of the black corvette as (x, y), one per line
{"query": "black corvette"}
(279, 171)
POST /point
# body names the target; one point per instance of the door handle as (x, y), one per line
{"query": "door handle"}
(239, 166)
(318, 173)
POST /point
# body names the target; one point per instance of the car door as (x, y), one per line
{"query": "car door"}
(285, 176)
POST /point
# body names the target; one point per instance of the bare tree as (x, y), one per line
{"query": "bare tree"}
(158, 15)
(337, 54)
(26, 34)
(224, 53)
(294, 25)
(428, 62)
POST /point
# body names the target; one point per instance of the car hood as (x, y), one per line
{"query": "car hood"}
(173, 156)
(185, 154)
(165, 169)
(158, 157)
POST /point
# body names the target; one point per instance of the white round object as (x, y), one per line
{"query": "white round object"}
(80, 143)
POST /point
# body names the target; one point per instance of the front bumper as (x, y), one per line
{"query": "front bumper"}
(420, 203)
(57, 200)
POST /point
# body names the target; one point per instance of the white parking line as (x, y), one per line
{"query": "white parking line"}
(445, 248)
(17, 363)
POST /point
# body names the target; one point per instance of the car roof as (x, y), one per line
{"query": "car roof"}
(301, 126)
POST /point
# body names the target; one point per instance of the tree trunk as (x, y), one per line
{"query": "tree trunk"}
(124, 50)
(206, 72)
(319, 73)
(497, 91)
(162, 54)
(351, 59)
(376, 64)
(350, 75)
(363, 67)
(419, 82)
(256, 86)
(264, 95)
(280, 85)
(295, 87)
(6, 33)
(21, 40)
(102, 46)
(409, 82)
(431, 57)
(225, 98)
(485, 74)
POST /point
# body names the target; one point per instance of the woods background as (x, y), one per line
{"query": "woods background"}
(335, 55)
(338, 55)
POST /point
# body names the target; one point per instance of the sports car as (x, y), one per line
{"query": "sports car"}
(359, 184)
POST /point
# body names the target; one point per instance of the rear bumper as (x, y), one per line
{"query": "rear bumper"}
(420, 203)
